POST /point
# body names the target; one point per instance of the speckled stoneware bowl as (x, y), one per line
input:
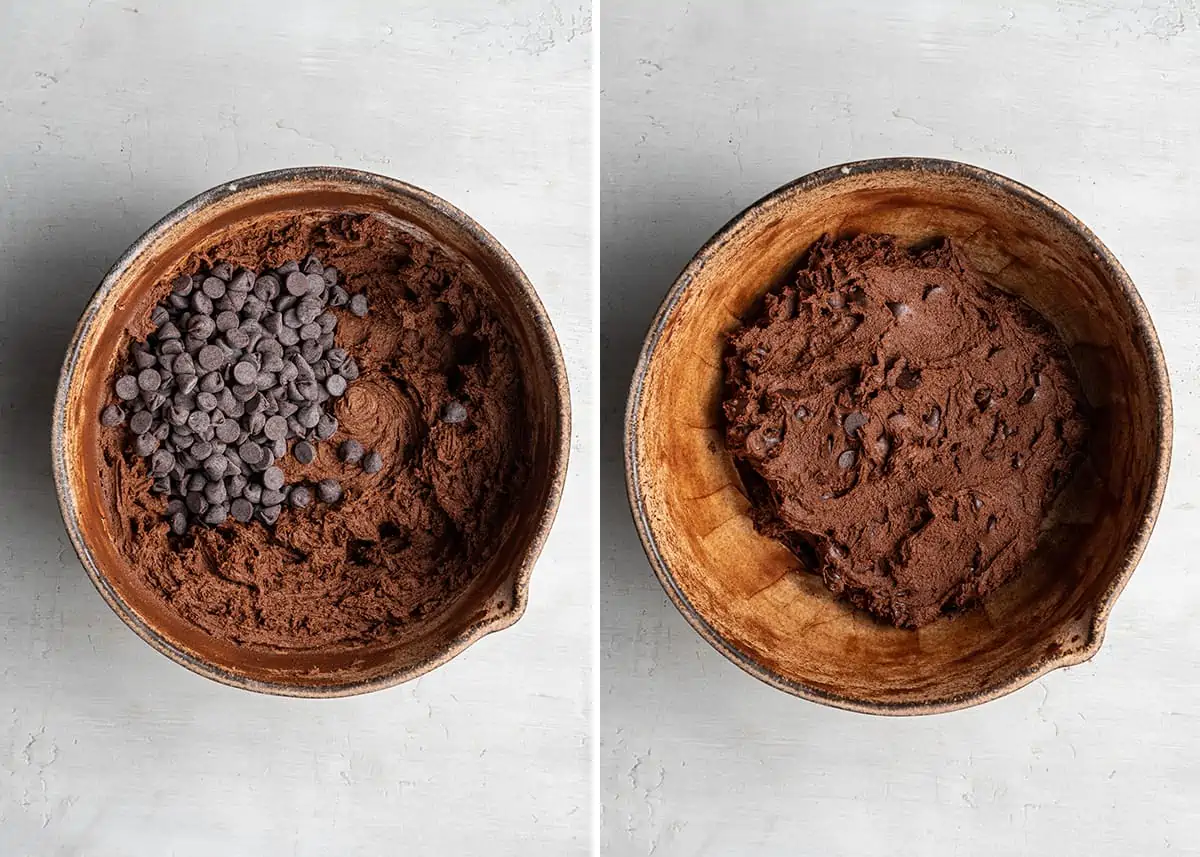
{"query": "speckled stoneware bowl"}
(747, 595)
(497, 595)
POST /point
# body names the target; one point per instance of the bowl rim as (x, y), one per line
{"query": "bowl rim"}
(1143, 329)
(546, 342)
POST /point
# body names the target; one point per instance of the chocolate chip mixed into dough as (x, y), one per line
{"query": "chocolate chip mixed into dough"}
(901, 425)
(407, 532)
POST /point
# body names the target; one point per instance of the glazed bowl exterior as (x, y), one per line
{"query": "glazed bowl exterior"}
(747, 595)
(497, 595)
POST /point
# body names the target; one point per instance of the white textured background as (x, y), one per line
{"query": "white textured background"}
(111, 114)
(705, 107)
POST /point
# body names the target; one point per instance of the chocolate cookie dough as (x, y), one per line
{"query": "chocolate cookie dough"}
(901, 425)
(403, 535)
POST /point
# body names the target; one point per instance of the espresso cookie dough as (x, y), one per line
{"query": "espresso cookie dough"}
(366, 551)
(901, 425)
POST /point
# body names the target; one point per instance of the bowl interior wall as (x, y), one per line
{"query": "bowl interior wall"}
(743, 585)
(495, 592)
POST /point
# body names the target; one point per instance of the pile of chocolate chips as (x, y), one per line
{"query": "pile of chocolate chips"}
(239, 364)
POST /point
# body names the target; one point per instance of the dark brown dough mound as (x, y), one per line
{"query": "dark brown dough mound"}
(901, 425)
(400, 542)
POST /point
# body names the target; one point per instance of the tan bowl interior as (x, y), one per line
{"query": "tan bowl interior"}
(494, 599)
(746, 593)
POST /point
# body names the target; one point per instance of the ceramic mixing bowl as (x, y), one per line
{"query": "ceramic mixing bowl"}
(747, 595)
(495, 597)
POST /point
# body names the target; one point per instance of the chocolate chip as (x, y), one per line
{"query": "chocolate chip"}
(266, 288)
(242, 510)
(196, 503)
(199, 421)
(112, 415)
(275, 428)
(309, 416)
(296, 283)
(899, 310)
(349, 370)
(328, 491)
(212, 382)
(223, 270)
(312, 330)
(141, 422)
(327, 427)
(358, 305)
(211, 358)
(214, 492)
(307, 311)
(272, 478)
(338, 297)
(201, 303)
(251, 453)
(934, 418)
(127, 388)
(238, 338)
(270, 514)
(847, 459)
(304, 452)
(149, 380)
(178, 523)
(255, 422)
(145, 445)
(216, 514)
(453, 413)
(243, 281)
(243, 392)
(214, 288)
(300, 497)
(228, 431)
(336, 385)
(245, 372)
(853, 422)
(252, 492)
(312, 265)
(168, 331)
(351, 451)
(372, 462)
(316, 284)
(161, 462)
(215, 466)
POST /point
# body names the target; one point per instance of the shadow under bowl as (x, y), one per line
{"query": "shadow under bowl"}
(747, 595)
(495, 597)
